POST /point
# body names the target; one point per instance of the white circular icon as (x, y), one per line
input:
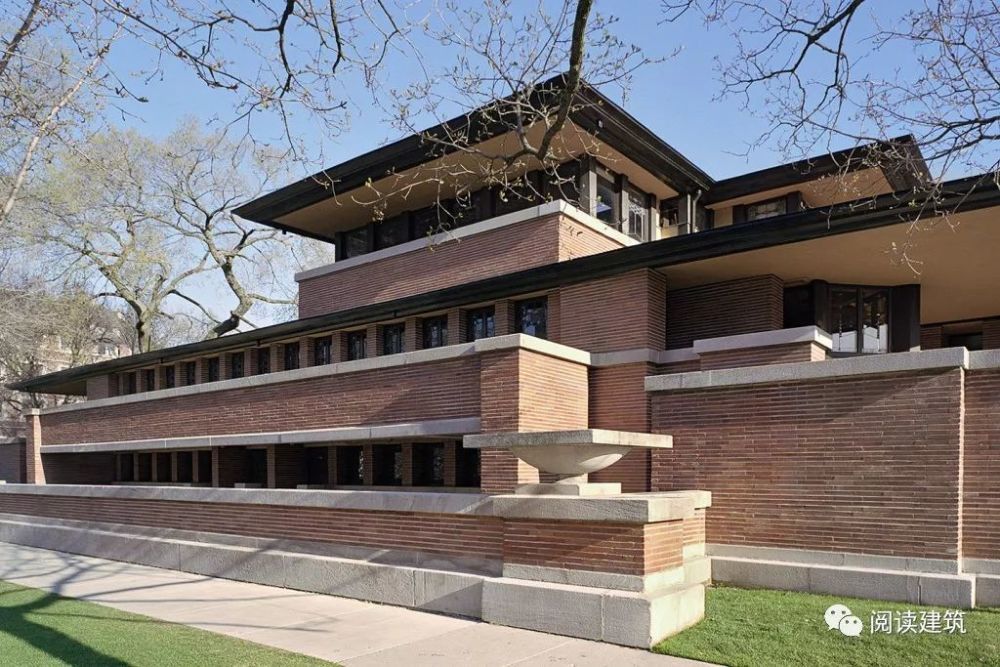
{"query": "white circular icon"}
(834, 615)
(851, 626)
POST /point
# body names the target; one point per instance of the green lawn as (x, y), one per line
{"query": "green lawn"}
(763, 627)
(37, 628)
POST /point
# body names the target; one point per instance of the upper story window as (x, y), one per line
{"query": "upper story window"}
(169, 377)
(323, 351)
(263, 360)
(291, 356)
(355, 242)
(392, 232)
(129, 383)
(607, 202)
(767, 209)
(212, 369)
(636, 223)
(236, 369)
(148, 379)
(189, 372)
(530, 317)
(357, 345)
(393, 336)
(435, 331)
(480, 323)
(859, 318)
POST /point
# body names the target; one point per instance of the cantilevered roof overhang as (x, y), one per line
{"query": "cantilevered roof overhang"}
(850, 242)
(338, 197)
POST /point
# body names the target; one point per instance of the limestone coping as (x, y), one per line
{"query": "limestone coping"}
(807, 334)
(626, 508)
(424, 429)
(531, 213)
(508, 342)
(582, 437)
(873, 364)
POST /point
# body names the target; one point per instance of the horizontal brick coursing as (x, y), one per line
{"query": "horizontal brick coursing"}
(727, 308)
(621, 312)
(981, 491)
(869, 464)
(452, 262)
(634, 549)
(418, 392)
(450, 534)
(618, 401)
(762, 356)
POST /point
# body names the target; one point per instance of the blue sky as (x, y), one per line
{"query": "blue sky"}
(676, 98)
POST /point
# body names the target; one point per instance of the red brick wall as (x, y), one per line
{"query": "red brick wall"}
(763, 356)
(991, 334)
(724, 309)
(931, 337)
(866, 464)
(981, 492)
(417, 392)
(618, 401)
(451, 534)
(526, 391)
(622, 312)
(452, 262)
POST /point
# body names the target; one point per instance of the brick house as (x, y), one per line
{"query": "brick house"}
(839, 406)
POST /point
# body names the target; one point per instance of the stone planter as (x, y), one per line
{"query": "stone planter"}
(569, 455)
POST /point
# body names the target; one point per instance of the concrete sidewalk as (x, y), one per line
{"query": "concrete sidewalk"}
(351, 632)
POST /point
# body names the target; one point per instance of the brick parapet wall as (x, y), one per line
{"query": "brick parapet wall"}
(762, 356)
(865, 464)
(981, 489)
(618, 401)
(621, 312)
(746, 305)
(507, 249)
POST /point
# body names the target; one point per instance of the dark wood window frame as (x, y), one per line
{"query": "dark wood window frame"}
(237, 364)
(393, 338)
(488, 314)
(290, 356)
(356, 344)
(323, 351)
(263, 360)
(520, 314)
(434, 331)
(212, 369)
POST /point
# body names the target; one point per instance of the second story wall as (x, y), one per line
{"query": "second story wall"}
(537, 236)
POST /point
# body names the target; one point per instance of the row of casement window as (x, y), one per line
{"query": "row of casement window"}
(530, 317)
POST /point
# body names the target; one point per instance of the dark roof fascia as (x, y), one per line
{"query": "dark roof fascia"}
(620, 130)
(850, 159)
(962, 195)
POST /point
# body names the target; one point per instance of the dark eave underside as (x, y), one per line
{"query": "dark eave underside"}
(962, 195)
(619, 130)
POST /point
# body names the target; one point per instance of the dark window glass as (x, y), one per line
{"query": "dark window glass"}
(480, 323)
(263, 360)
(388, 465)
(392, 231)
(316, 468)
(636, 222)
(149, 379)
(350, 466)
(392, 338)
(767, 209)
(355, 242)
(859, 319)
(129, 383)
(236, 365)
(162, 467)
(190, 372)
(357, 345)
(204, 466)
(169, 377)
(970, 341)
(466, 466)
(256, 467)
(144, 463)
(212, 369)
(126, 468)
(517, 195)
(291, 356)
(531, 317)
(607, 202)
(431, 220)
(323, 351)
(185, 467)
(435, 332)
(428, 464)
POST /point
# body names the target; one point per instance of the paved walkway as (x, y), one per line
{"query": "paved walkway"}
(351, 632)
